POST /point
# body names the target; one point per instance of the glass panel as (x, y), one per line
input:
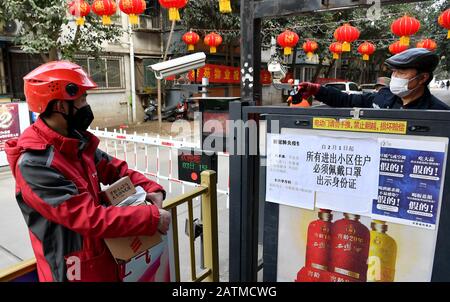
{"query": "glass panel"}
(337, 86)
(98, 71)
(354, 87)
(114, 73)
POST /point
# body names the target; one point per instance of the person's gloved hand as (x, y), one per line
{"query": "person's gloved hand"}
(307, 89)
(164, 221)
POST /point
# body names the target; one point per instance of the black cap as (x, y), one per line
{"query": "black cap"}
(417, 58)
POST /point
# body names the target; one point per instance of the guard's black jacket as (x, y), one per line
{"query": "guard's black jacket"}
(382, 99)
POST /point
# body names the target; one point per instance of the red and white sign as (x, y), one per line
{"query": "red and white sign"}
(9, 123)
(222, 74)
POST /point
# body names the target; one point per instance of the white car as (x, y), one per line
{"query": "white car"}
(346, 87)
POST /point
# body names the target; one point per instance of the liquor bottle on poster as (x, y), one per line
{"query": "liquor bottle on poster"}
(318, 242)
(382, 254)
(349, 248)
(317, 248)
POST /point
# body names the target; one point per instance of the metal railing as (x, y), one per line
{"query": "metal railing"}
(208, 191)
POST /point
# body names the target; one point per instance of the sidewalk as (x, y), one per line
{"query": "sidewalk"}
(14, 240)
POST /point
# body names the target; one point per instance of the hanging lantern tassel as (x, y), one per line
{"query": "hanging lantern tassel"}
(80, 21)
(174, 14)
(191, 47)
(448, 34)
(335, 56)
(346, 47)
(106, 20)
(134, 19)
(287, 51)
(225, 6)
(366, 57)
(404, 41)
(212, 49)
(309, 55)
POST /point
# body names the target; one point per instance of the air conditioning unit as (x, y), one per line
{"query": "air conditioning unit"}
(10, 28)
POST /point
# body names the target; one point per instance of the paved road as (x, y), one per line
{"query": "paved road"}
(442, 94)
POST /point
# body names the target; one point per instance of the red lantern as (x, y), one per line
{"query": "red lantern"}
(191, 38)
(346, 34)
(444, 21)
(173, 6)
(427, 43)
(396, 48)
(105, 9)
(287, 40)
(133, 8)
(405, 27)
(79, 9)
(213, 40)
(225, 6)
(366, 49)
(336, 49)
(310, 47)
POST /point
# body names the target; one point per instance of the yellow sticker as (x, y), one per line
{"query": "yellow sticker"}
(392, 127)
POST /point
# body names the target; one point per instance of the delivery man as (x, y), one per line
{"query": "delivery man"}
(412, 71)
(295, 99)
(58, 169)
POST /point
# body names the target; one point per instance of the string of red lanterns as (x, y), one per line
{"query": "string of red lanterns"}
(288, 40)
(346, 34)
(427, 43)
(444, 21)
(104, 9)
(79, 9)
(191, 39)
(133, 8)
(336, 49)
(366, 49)
(310, 47)
(213, 40)
(173, 6)
(404, 27)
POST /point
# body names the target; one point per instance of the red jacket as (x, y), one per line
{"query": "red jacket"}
(57, 188)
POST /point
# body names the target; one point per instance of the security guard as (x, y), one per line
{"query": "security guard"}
(412, 71)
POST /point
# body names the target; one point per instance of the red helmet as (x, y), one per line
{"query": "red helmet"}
(58, 80)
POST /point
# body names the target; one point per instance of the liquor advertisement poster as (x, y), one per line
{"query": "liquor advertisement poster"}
(329, 246)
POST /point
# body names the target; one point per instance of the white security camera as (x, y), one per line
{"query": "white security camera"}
(277, 69)
(178, 65)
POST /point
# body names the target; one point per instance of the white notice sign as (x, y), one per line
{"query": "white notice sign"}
(341, 165)
(284, 177)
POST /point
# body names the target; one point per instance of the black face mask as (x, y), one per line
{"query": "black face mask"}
(82, 118)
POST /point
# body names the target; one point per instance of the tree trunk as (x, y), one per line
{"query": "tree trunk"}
(330, 68)
(318, 70)
(52, 54)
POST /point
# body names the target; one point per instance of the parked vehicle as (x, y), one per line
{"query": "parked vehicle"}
(368, 88)
(347, 87)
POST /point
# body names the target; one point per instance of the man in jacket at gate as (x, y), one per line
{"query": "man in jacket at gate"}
(58, 170)
(412, 71)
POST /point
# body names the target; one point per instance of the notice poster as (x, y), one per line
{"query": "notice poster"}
(411, 178)
(9, 123)
(284, 177)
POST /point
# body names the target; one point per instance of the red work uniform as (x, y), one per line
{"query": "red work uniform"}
(57, 188)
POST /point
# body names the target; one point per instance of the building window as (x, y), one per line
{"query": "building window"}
(107, 72)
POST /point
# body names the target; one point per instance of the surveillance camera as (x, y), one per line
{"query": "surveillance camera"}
(178, 65)
(277, 69)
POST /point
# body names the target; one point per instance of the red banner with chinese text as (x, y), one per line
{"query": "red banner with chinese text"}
(222, 74)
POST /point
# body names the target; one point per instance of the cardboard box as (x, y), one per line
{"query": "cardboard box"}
(125, 248)
(119, 191)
